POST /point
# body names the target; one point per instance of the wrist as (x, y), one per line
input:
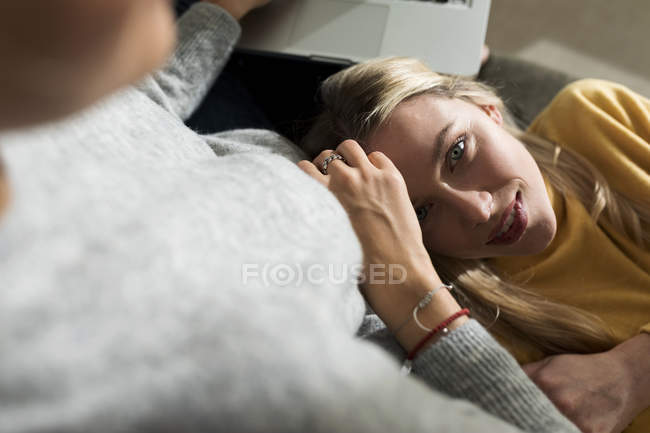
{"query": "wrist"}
(634, 358)
(394, 302)
(442, 306)
(393, 290)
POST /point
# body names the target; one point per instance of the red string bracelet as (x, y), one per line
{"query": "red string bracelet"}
(406, 368)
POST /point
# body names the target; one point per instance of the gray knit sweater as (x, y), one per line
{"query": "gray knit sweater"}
(137, 290)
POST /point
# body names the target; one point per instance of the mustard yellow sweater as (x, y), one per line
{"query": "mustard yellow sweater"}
(589, 265)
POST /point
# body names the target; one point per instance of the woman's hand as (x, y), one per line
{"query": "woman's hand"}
(600, 393)
(374, 194)
(239, 8)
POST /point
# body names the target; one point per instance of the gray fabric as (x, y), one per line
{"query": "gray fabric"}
(123, 304)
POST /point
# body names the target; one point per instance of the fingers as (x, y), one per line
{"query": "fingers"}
(380, 160)
(355, 157)
(353, 153)
(332, 165)
(532, 368)
(309, 168)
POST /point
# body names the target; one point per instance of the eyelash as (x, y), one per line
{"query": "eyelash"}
(456, 142)
(459, 140)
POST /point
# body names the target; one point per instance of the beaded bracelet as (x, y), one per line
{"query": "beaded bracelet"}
(408, 362)
(423, 303)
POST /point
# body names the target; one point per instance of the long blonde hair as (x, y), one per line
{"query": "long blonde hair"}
(358, 100)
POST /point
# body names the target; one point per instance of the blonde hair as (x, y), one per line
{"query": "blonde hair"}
(360, 99)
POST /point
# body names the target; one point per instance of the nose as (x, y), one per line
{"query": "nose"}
(474, 207)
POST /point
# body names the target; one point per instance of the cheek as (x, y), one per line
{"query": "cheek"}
(503, 161)
(445, 236)
(148, 36)
(139, 41)
(516, 156)
(76, 51)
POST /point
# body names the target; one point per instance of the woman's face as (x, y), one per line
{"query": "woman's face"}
(477, 191)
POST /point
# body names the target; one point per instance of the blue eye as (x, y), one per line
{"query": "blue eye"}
(422, 212)
(457, 151)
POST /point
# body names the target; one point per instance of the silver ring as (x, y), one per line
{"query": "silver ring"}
(329, 159)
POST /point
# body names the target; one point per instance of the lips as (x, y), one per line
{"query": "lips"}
(517, 226)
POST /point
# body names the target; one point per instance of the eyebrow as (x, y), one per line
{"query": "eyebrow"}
(441, 139)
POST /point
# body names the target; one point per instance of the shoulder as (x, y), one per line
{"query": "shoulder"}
(606, 123)
(588, 87)
(592, 98)
(258, 141)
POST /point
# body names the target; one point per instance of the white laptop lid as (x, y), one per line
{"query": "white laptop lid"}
(446, 36)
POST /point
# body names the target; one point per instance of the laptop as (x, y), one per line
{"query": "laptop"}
(446, 35)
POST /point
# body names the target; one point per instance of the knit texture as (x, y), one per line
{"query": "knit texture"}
(156, 280)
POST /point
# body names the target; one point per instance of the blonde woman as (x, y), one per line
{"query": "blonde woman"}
(545, 233)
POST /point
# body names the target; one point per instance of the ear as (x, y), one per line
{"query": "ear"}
(494, 113)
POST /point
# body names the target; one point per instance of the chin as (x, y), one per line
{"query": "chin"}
(528, 246)
(154, 41)
(538, 241)
(548, 235)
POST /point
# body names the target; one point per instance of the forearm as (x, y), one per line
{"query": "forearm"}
(206, 37)
(470, 364)
(467, 363)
